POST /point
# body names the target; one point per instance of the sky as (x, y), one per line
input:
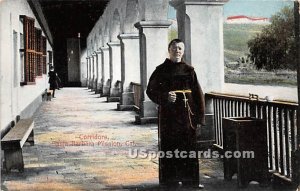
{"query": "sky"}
(255, 8)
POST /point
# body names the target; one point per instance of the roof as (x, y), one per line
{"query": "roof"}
(246, 17)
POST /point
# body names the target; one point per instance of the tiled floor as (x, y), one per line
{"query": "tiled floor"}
(83, 143)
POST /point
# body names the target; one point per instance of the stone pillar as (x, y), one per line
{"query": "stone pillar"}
(99, 72)
(130, 69)
(106, 76)
(94, 71)
(115, 71)
(153, 52)
(90, 72)
(87, 72)
(200, 26)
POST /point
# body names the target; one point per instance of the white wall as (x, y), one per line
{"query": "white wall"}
(15, 98)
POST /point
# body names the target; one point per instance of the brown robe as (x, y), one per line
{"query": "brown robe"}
(177, 123)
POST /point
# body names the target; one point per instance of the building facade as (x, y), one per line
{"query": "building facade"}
(25, 55)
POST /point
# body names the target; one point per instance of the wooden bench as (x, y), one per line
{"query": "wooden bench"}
(12, 144)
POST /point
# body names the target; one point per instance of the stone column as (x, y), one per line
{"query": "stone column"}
(130, 69)
(200, 26)
(94, 71)
(90, 73)
(153, 52)
(115, 71)
(87, 72)
(106, 75)
(99, 72)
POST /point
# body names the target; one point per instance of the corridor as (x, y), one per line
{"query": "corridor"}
(82, 143)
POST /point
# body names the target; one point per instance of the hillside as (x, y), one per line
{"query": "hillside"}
(236, 37)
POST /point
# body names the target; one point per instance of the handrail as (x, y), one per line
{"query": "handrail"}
(281, 119)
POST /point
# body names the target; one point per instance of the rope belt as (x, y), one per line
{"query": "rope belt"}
(183, 93)
(186, 103)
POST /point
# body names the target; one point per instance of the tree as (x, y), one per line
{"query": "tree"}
(274, 48)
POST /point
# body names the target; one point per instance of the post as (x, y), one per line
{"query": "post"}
(152, 54)
(200, 26)
(87, 72)
(105, 71)
(94, 80)
(115, 71)
(99, 72)
(130, 63)
(79, 54)
(296, 153)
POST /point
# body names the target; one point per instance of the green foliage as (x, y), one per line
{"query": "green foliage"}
(274, 47)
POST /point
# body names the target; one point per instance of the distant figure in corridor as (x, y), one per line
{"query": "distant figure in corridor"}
(52, 80)
(175, 88)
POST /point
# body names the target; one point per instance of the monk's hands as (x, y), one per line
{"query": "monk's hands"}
(172, 97)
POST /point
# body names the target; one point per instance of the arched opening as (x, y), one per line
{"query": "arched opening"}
(142, 10)
(158, 7)
(99, 38)
(95, 45)
(115, 27)
(132, 16)
(105, 37)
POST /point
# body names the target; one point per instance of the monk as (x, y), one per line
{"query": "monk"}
(175, 88)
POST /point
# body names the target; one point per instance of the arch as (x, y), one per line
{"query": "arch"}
(132, 16)
(88, 46)
(100, 32)
(91, 47)
(105, 36)
(155, 10)
(116, 26)
(99, 38)
(142, 9)
(95, 43)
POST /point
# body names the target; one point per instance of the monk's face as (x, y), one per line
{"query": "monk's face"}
(176, 51)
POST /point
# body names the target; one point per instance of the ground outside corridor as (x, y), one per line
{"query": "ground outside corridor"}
(82, 143)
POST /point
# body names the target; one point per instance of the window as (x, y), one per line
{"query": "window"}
(50, 58)
(44, 53)
(39, 53)
(29, 50)
(33, 51)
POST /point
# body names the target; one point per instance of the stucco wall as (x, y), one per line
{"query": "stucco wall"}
(15, 98)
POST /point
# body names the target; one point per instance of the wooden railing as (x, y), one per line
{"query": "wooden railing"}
(136, 88)
(281, 126)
